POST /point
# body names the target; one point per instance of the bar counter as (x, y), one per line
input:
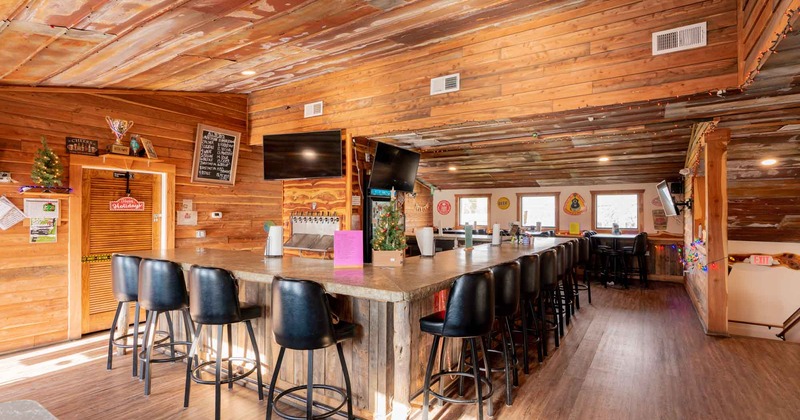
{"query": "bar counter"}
(386, 360)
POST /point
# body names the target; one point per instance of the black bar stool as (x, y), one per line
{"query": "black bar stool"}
(506, 305)
(302, 320)
(162, 288)
(563, 301)
(638, 251)
(214, 300)
(469, 315)
(530, 300)
(125, 287)
(584, 254)
(550, 296)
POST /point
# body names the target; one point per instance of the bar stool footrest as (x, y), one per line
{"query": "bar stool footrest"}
(197, 371)
(165, 337)
(178, 356)
(324, 415)
(453, 400)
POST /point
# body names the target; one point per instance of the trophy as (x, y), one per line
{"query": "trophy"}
(119, 128)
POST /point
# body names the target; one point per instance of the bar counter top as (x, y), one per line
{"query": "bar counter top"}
(417, 277)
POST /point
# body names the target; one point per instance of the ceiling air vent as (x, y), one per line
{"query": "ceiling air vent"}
(679, 39)
(445, 84)
(313, 109)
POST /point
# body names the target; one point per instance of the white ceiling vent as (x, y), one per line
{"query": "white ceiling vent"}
(445, 84)
(679, 39)
(313, 109)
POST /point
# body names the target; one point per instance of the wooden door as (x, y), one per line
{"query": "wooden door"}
(106, 232)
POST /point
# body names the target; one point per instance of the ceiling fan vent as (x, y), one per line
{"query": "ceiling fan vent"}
(679, 39)
(445, 84)
(313, 109)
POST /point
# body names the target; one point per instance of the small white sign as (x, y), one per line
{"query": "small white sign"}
(760, 260)
(187, 205)
(187, 218)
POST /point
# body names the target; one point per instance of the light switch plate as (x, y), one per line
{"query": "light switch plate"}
(200, 233)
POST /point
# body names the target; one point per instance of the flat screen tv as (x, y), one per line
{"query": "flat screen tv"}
(393, 167)
(316, 154)
(670, 209)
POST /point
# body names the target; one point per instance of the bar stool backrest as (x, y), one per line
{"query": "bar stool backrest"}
(213, 296)
(507, 286)
(584, 248)
(162, 286)
(640, 244)
(568, 252)
(470, 306)
(530, 281)
(576, 251)
(301, 314)
(548, 274)
(125, 277)
(560, 259)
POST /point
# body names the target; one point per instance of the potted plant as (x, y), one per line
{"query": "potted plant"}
(389, 240)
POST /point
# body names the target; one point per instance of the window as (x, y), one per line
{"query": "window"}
(622, 207)
(473, 208)
(538, 207)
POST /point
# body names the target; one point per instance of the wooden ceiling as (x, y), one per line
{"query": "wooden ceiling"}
(204, 45)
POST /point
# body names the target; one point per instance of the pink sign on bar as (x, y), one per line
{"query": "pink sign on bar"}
(348, 248)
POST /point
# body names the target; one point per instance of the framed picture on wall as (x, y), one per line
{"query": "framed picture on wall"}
(148, 148)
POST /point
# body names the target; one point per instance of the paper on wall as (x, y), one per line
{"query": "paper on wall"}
(10, 215)
(43, 230)
(41, 208)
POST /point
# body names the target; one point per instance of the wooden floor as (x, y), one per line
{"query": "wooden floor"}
(634, 354)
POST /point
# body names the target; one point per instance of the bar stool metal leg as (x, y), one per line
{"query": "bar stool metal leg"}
(192, 358)
(426, 390)
(346, 381)
(217, 384)
(111, 335)
(477, 372)
(150, 343)
(230, 354)
(252, 334)
(275, 373)
(145, 340)
(136, 340)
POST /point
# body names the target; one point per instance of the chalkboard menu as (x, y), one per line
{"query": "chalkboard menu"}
(216, 152)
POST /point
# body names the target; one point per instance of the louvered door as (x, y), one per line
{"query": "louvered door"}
(106, 232)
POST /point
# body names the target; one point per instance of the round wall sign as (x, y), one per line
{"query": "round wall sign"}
(503, 203)
(444, 207)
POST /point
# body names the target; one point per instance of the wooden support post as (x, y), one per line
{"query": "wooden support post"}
(401, 407)
(716, 155)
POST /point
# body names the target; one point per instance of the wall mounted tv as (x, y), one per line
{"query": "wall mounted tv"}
(393, 167)
(303, 155)
(667, 202)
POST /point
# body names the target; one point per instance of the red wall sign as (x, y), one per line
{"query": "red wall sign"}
(444, 207)
(760, 260)
(126, 204)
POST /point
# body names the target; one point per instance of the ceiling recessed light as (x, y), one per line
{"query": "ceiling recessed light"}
(603, 159)
(248, 72)
(452, 168)
(769, 162)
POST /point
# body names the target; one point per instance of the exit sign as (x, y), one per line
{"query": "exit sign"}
(760, 260)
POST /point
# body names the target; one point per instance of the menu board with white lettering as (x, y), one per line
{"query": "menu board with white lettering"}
(216, 152)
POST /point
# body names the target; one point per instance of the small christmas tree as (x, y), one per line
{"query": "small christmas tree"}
(47, 168)
(389, 235)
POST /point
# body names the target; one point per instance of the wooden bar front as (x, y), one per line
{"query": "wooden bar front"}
(386, 360)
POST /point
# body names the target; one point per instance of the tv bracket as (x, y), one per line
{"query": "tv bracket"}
(680, 205)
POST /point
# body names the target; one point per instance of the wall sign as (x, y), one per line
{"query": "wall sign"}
(216, 152)
(82, 146)
(444, 207)
(126, 204)
(760, 260)
(575, 205)
(503, 203)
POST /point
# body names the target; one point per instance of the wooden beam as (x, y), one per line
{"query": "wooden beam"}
(716, 155)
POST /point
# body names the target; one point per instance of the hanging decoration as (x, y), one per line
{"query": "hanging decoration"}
(444, 207)
(47, 169)
(575, 205)
(503, 203)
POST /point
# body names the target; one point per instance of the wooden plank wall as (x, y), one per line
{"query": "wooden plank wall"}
(760, 21)
(33, 278)
(418, 209)
(595, 54)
